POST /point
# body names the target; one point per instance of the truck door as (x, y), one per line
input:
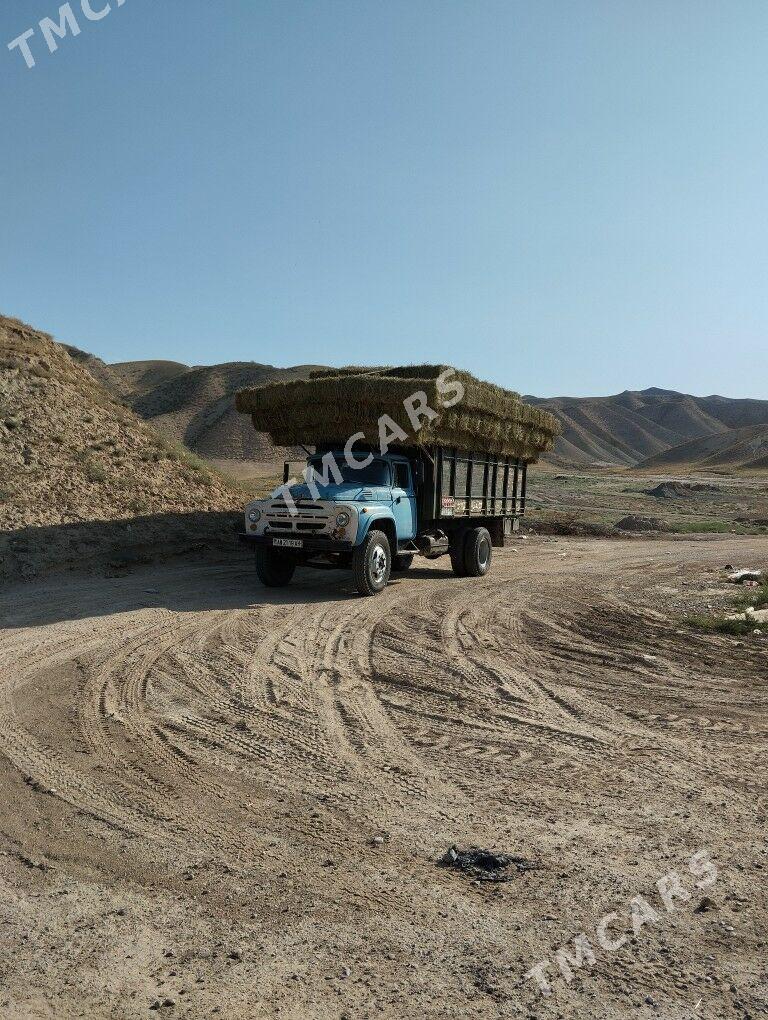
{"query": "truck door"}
(403, 501)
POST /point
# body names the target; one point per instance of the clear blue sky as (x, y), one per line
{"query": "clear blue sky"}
(567, 197)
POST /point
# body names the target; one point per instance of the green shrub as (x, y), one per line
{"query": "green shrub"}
(718, 625)
(191, 461)
(95, 472)
(715, 527)
(703, 527)
(757, 598)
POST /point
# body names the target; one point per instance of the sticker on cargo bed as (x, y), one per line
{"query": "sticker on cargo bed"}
(477, 506)
(447, 505)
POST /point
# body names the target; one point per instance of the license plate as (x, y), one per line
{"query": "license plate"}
(293, 543)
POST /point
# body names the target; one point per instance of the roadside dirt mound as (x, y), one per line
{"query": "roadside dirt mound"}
(680, 490)
(563, 523)
(69, 452)
(636, 522)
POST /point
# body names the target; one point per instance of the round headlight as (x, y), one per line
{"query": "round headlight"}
(342, 519)
(254, 515)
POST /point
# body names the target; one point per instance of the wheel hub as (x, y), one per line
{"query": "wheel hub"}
(378, 564)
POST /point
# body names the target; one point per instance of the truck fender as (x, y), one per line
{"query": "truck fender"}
(383, 521)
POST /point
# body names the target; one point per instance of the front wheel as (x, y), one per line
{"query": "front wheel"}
(372, 563)
(273, 569)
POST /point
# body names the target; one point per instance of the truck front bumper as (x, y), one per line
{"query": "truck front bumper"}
(308, 544)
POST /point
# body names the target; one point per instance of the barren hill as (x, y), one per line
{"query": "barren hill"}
(197, 409)
(745, 448)
(635, 425)
(194, 406)
(135, 378)
(70, 452)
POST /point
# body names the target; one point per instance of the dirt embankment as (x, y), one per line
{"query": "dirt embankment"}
(111, 548)
(222, 801)
(82, 479)
(69, 453)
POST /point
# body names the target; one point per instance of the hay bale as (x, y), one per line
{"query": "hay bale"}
(333, 404)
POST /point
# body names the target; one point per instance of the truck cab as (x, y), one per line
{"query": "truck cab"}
(373, 513)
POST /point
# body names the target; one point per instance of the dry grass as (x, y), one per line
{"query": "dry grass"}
(719, 625)
(757, 598)
(330, 407)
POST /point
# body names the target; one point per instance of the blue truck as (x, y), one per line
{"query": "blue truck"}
(374, 519)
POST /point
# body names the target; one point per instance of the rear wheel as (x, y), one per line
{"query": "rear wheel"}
(402, 562)
(477, 552)
(372, 563)
(274, 569)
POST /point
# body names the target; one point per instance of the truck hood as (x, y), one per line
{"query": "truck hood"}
(345, 493)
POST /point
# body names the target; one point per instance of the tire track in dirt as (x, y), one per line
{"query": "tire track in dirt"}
(226, 754)
(368, 707)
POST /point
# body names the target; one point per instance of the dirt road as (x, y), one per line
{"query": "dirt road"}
(218, 800)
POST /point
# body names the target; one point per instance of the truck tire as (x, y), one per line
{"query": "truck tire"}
(274, 569)
(456, 552)
(402, 562)
(372, 563)
(477, 552)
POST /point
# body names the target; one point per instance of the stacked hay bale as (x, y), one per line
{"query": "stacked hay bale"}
(334, 404)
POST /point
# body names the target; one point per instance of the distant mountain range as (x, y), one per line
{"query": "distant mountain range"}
(638, 427)
(733, 449)
(653, 427)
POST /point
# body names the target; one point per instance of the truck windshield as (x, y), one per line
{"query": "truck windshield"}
(375, 473)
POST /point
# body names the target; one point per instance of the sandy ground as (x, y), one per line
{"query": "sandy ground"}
(218, 801)
(728, 499)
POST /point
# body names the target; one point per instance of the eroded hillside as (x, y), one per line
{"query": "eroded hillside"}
(70, 452)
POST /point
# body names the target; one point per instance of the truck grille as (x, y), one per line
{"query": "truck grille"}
(311, 518)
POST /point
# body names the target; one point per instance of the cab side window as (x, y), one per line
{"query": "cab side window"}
(402, 476)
